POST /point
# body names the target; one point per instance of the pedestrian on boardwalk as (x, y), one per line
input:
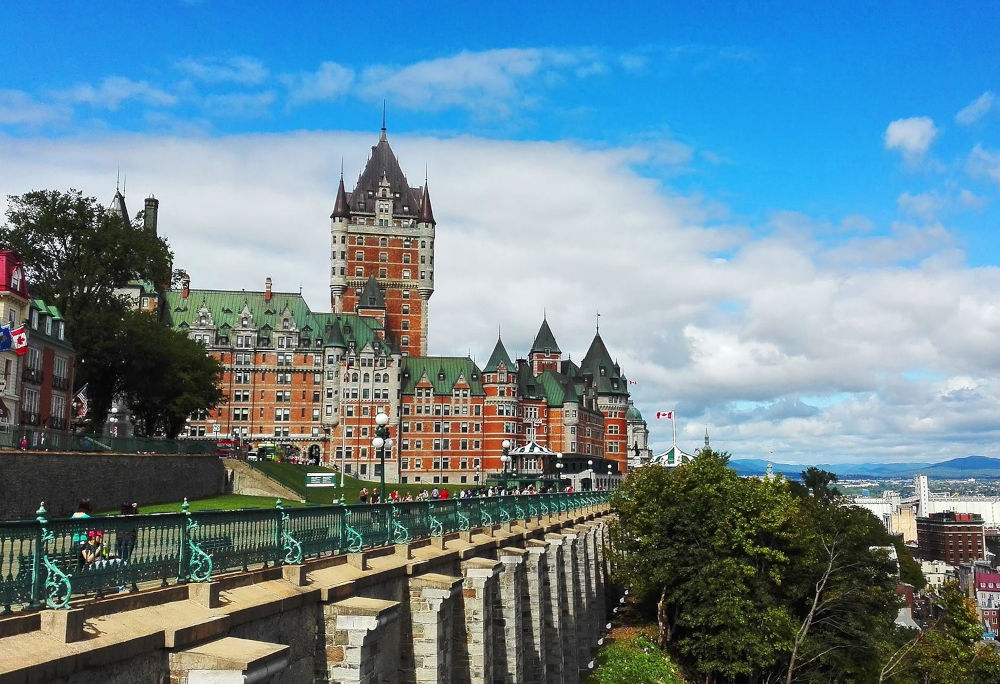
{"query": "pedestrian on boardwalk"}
(24, 442)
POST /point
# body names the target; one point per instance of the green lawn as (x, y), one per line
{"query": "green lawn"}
(293, 477)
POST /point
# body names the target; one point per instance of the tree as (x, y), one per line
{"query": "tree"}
(710, 548)
(76, 253)
(818, 482)
(166, 375)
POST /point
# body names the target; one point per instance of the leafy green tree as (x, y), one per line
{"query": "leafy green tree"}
(710, 548)
(819, 483)
(76, 253)
(166, 375)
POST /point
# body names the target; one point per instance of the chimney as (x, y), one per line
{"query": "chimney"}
(152, 206)
(185, 286)
(267, 290)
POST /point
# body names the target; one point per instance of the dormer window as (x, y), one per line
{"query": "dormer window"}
(286, 324)
(15, 279)
(34, 319)
(202, 320)
(245, 321)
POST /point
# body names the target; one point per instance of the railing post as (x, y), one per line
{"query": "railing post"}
(36, 559)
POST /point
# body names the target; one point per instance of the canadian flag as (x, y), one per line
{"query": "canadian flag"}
(665, 414)
(19, 340)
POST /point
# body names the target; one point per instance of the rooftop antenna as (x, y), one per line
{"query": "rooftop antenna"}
(383, 120)
(118, 179)
(598, 316)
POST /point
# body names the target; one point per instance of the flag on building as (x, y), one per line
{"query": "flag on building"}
(19, 337)
(6, 339)
(665, 414)
(81, 401)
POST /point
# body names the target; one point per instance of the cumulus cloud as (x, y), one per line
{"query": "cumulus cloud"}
(18, 108)
(912, 137)
(112, 91)
(239, 105)
(241, 70)
(329, 82)
(984, 162)
(976, 109)
(865, 344)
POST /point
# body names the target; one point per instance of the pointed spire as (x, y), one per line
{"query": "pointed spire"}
(340, 208)
(499, 356)
(383, 137)
(426, 212)
(545, 341)
(706, 437)
(372, 296)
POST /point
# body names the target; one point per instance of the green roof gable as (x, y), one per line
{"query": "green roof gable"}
(443, 372)
(499, 356)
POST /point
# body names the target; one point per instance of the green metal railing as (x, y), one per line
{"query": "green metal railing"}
(44, 563)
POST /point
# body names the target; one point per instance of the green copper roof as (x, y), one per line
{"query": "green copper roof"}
(558, 388)
(499, 356)
(545, 341)
(443, 372)
(633, 414)
(372, 296)
(227, 306)
(598, 364)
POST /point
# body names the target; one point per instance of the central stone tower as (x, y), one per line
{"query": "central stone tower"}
(384, 230)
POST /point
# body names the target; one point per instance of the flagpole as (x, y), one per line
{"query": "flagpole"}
(673, 427)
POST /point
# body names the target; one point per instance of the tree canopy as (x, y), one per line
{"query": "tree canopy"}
(76, 254)
(754, 580)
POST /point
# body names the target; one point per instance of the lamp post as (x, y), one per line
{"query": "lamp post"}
(382, 441)
(477, 475)
(590, 467)
(505, 457)
(610, 469)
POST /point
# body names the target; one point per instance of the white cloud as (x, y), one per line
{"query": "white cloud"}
(926, 205)
(976, 109)
(18, 108)
(329, 82)
(114, 90)
(242, 70)
(240, 105)
(912, 137)
(984, 162)
(880, 346)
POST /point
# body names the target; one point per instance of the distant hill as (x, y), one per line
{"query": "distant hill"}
(966, 466)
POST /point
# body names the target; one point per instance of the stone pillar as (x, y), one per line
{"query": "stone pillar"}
(428, 655)
(585, 638)
(536, 608)
(572, 608)
(508, 634)
(362, 641)
(556, 615)
(229, 660)
(601, 600)
(473, 634)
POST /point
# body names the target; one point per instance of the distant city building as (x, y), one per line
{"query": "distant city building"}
(899, 517)
(36, 386)
(937, 573)
(951, 537)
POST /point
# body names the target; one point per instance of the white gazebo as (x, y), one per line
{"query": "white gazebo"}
(531, 458)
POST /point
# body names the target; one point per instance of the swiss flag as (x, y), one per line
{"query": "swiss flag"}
(665, 414)
(19, 339)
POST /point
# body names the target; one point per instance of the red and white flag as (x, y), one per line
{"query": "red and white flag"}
(19, 339)
(665, 414)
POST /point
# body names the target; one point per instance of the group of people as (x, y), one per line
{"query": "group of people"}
(92, 552)
(435, 494)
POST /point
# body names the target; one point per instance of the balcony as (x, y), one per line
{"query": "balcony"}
(32, 374)
(60, 382)
(57, 422)
(30, 418)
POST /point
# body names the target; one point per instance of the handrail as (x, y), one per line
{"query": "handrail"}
(42, 561)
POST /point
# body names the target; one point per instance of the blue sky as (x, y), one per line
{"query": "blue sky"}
(853, 148)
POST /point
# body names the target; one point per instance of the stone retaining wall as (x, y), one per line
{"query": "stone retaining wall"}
(108, 480)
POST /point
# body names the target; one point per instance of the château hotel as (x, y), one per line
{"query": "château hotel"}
(316, 380)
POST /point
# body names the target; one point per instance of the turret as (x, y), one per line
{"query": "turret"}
(151, 208)
(338, 247)
(425, 231)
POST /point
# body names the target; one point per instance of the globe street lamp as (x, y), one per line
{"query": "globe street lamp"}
(477, 475)
(505, 457)
(590, 467)
(382, 441)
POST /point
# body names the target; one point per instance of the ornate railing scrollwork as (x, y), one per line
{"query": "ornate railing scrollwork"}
(58, 586)
(291, 546)
(463, 520)
(355, 542)
(400, 535)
